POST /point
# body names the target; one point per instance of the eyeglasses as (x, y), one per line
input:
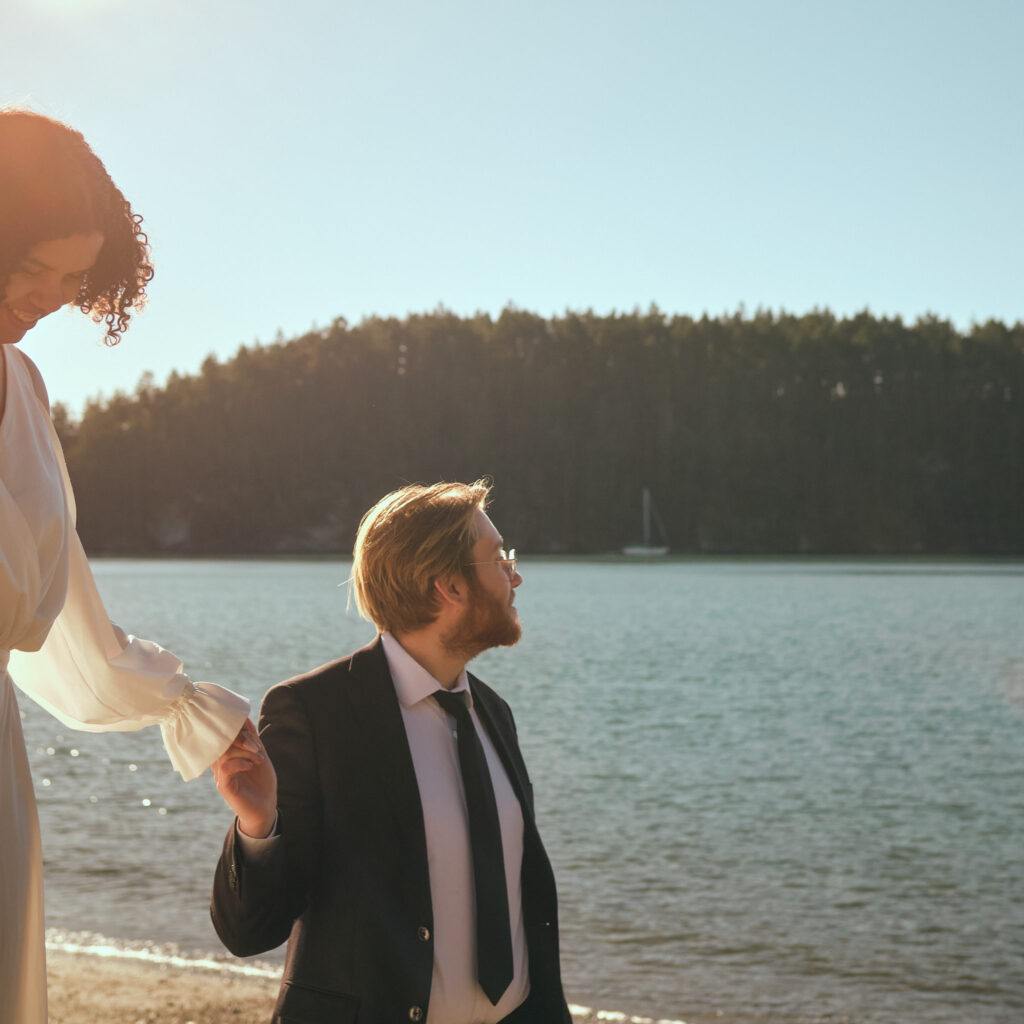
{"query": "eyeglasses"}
(506, 559)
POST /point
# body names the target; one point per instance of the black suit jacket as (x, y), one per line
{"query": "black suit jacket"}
(347, 881)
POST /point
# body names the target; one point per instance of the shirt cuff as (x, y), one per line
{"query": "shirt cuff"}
(252, 844)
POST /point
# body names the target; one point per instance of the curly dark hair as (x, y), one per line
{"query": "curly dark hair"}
(53, 186)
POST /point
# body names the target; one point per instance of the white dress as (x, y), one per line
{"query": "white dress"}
(66, 654)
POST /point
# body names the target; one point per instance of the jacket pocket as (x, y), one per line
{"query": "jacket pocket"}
(306, 1004)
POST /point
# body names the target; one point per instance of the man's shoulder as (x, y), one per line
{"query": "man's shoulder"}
(330, 676)
(481, 689)
(487, 695)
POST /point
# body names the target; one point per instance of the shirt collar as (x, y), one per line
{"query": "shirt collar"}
(413, 682)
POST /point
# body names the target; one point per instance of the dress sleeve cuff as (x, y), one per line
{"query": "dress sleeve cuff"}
(200, 725)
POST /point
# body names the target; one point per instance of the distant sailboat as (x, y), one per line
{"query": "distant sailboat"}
(651, 517)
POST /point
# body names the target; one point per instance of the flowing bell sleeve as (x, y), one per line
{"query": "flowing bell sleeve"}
(93, 676)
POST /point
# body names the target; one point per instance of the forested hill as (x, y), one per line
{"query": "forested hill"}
(755, 434)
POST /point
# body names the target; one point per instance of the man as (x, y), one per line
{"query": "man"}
(401, 858)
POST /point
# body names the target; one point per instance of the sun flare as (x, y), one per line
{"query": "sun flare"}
(74, 8)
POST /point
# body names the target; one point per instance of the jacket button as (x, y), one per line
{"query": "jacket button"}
(424, 933)
(415, 1013)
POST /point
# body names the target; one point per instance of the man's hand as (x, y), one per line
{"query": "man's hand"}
(247, 781)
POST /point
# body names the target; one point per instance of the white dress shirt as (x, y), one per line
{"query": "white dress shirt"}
(455, 995)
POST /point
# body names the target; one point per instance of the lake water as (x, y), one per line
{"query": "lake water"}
(781, 790)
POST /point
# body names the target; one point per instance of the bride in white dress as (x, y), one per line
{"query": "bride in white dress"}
(67, 235)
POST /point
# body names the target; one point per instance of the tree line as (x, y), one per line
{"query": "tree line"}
(769, 433)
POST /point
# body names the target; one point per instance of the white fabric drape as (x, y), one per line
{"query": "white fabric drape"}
(69, 657)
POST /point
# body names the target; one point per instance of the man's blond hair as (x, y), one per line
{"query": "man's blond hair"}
(405, 542)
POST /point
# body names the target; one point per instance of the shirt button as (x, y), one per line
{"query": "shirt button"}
(415, 1013)
(424, 933)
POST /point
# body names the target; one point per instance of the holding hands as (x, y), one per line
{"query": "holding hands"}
(246, 779)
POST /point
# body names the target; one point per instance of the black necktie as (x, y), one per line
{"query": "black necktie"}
(493, 931)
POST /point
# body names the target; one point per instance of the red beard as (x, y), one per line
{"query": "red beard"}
(487, 622)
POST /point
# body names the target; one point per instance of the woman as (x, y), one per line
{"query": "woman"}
(67, 235)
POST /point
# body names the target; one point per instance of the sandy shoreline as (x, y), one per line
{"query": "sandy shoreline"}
(89, 989)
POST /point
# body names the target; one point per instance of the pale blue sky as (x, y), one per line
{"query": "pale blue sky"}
(299, 161)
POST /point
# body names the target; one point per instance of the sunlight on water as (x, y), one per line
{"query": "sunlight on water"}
(167, 954)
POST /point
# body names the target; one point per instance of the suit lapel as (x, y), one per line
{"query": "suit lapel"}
(385, 747)
(505, 744)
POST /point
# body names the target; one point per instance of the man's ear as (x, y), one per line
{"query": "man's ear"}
(451, 588)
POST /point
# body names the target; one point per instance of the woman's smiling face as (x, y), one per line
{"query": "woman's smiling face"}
(47, 277)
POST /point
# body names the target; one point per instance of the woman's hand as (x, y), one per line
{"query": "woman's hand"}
(247, 781)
